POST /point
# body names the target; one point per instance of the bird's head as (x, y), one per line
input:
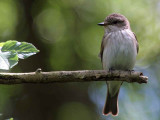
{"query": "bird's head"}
(115, 22)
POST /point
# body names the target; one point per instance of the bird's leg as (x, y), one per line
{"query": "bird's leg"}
(111, 70)
(130, 71)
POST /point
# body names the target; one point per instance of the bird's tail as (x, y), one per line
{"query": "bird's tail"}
(111, 105)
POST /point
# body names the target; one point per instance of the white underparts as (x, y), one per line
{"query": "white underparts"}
(119, 53)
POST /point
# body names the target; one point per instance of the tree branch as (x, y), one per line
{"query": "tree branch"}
(72, 76)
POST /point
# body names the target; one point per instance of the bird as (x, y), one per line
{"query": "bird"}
(119, 48)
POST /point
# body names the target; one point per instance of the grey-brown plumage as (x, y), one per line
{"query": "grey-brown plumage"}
(119, 48)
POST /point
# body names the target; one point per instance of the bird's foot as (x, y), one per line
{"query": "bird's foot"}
(130, 71)
(111, 70)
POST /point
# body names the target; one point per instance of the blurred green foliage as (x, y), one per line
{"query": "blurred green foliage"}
(74, 111)
(8, 21)
(66, 33)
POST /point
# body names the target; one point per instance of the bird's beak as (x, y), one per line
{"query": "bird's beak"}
(101, 24)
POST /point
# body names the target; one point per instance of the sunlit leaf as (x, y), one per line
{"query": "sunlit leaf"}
(8, 60)
(1, 44)
(10, 119)
(23, 49)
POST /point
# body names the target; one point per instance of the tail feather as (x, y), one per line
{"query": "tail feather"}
(111, 105)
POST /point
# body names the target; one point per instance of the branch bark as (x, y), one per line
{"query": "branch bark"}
(72, 76)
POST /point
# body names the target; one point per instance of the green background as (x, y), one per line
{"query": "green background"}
(67, 35)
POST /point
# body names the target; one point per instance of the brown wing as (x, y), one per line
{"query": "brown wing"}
(136, 42)
(101, 49)
(102, 46)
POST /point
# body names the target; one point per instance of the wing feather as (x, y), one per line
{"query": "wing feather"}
(137, 45)
(103, 44)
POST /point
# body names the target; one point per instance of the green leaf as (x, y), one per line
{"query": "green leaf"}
(10, 119)
(11, 50)
(1, 44)
(23, 49)
(8, 60)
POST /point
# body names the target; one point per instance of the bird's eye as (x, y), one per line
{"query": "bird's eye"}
(115, 22)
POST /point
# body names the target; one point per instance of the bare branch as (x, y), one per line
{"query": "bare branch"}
(72, 76)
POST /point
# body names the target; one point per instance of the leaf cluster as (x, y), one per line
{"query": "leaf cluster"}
(11, 51)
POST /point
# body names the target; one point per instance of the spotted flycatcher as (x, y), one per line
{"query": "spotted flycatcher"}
(119, 49)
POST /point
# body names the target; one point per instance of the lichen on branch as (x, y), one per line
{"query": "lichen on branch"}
(72, 76)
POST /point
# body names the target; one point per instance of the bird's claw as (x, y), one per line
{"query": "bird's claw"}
(130, 71)
(111, 70)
